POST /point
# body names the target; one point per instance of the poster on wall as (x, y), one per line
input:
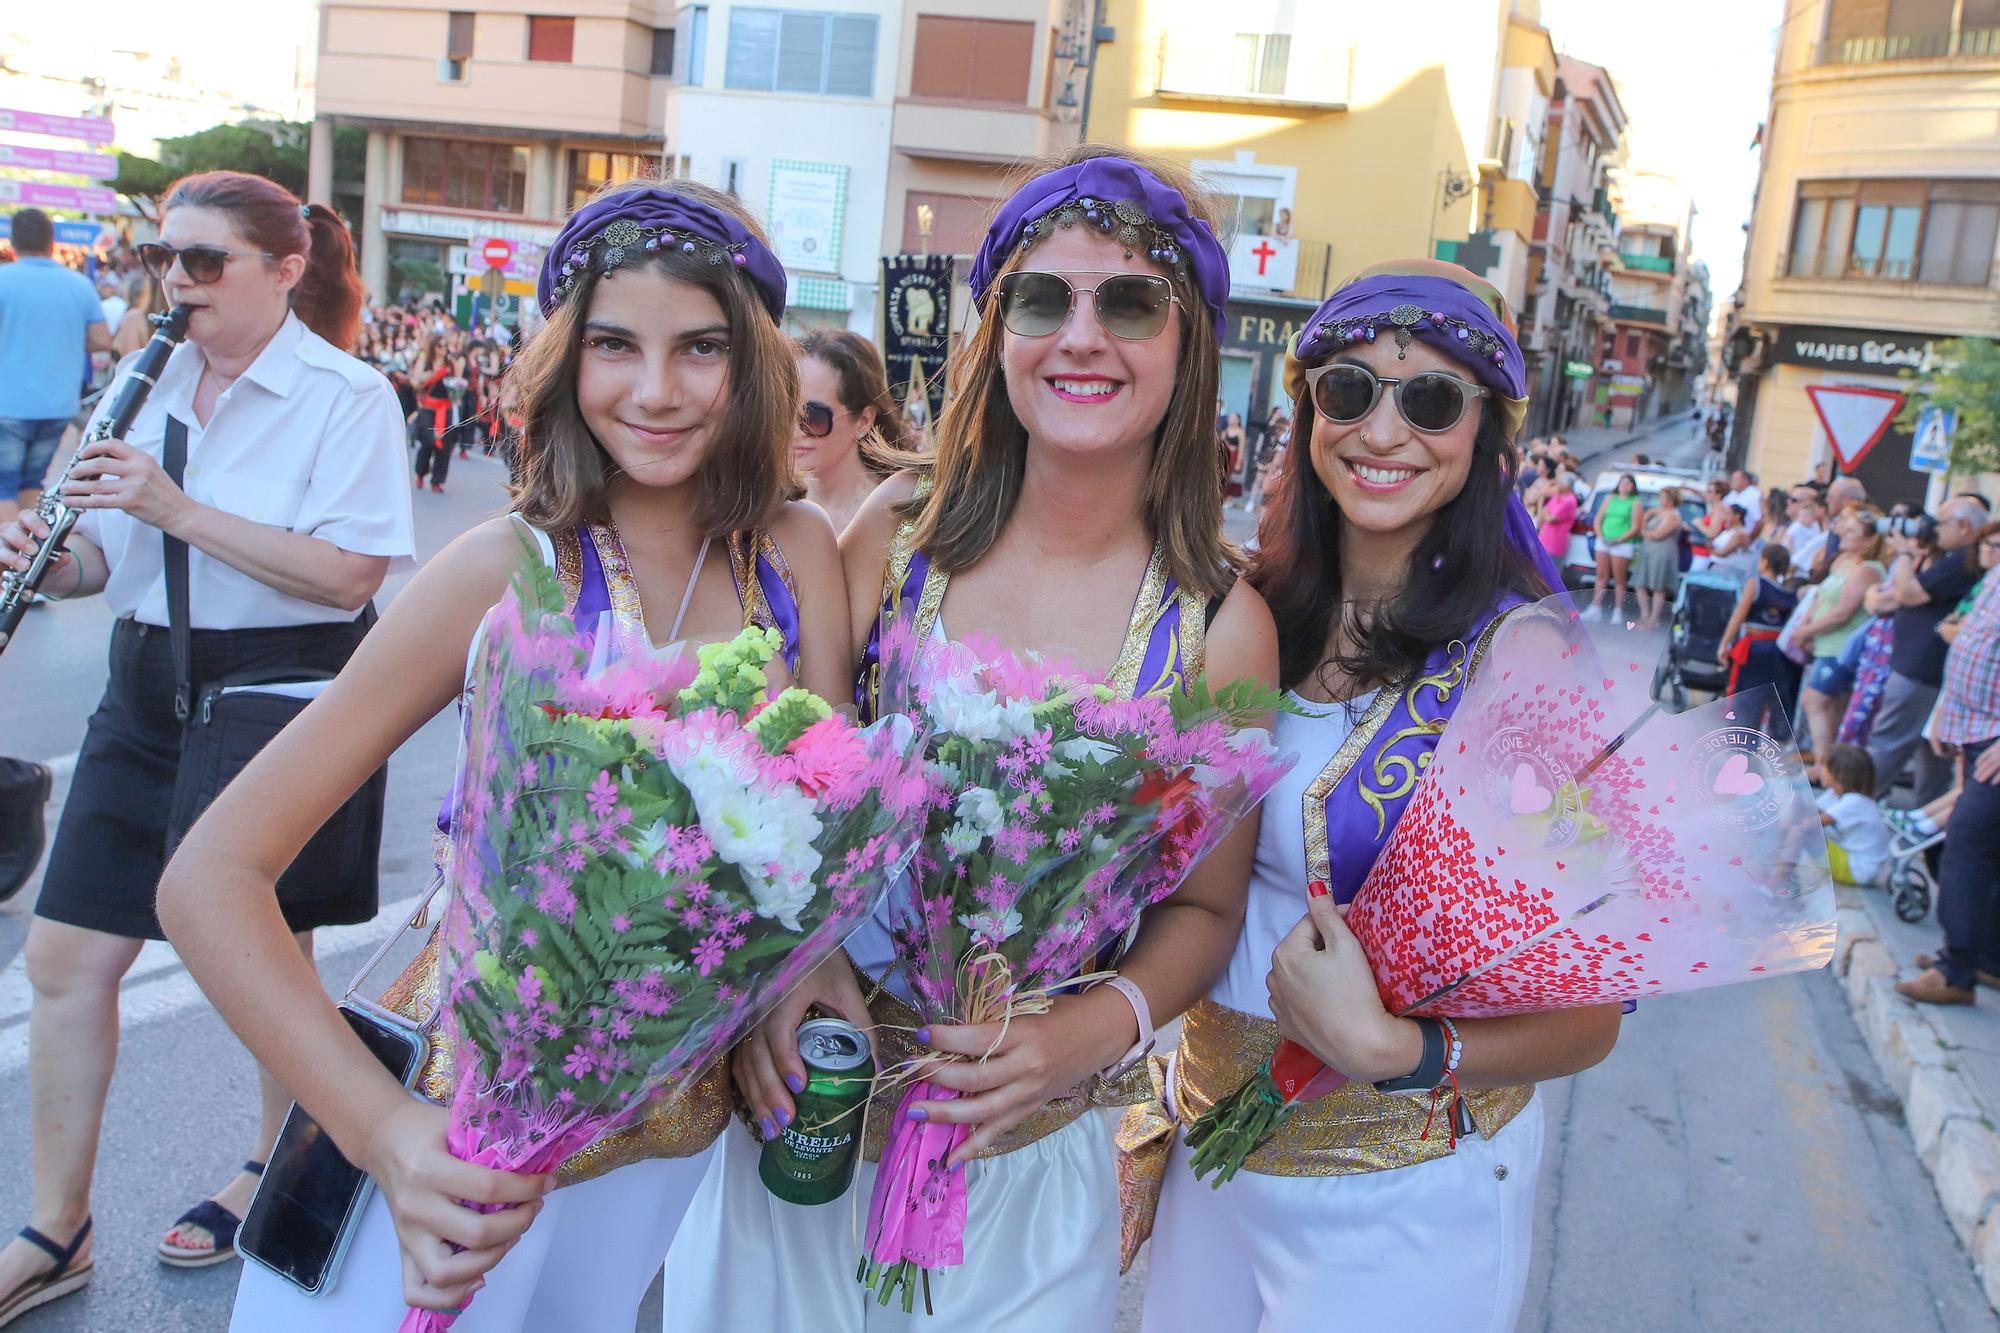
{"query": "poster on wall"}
(808, 202)
(916, 328)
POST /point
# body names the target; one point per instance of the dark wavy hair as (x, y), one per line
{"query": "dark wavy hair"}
(1297, 567)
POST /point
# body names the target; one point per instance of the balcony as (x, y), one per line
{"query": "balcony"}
(1276, 70)
(1647, 263)
(969, 131)
(1638, 314)
(1964, 43)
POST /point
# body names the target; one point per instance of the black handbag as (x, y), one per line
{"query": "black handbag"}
(230, 720)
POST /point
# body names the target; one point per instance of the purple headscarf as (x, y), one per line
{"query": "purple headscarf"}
(1110, 180)
(648, 220)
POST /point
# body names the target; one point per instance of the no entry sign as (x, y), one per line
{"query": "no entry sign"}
(496, 251)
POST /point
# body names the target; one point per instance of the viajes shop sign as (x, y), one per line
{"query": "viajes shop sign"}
(1854, 349)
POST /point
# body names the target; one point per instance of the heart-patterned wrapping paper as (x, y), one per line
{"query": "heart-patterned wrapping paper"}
(1531, 870)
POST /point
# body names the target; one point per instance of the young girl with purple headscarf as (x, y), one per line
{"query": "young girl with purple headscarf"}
(656, 478)
(1394, 546)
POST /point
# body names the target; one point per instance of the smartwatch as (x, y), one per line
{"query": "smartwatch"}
(1430, 1069)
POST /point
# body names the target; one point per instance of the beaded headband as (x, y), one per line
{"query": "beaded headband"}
(1127, 220)
(651, 220)
(1403, 321)
(606, 251)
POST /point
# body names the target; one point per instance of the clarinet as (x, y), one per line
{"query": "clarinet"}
(18, 588)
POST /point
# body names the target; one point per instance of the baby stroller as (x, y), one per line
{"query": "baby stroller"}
(1702, 607)
(1908, 875)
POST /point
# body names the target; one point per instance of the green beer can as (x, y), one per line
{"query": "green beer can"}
(812, 1159)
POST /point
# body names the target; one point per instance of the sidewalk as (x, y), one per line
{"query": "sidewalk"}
(1942, 1062)
(1591, 444)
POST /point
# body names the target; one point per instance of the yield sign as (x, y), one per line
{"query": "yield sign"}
(1854, 418)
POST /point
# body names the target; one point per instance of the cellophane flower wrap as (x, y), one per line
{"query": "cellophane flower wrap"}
(648, 854)
(1058, 812)
(1574, 843)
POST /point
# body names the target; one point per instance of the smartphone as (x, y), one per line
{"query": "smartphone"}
(310, 1198)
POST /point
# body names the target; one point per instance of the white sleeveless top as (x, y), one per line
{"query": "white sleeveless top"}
(1278, 875)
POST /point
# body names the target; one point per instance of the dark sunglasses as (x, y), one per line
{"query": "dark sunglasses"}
(1133, 306)
(1431, 401)
(202, 263)
(816, 420)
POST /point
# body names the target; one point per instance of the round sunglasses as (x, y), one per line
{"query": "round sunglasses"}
(816, 420)
(202, 263)
(1431, 401)
(1132, 306)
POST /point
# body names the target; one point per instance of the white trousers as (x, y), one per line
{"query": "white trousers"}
(1444, 1244)
(1041, 1249)
(583, 1267)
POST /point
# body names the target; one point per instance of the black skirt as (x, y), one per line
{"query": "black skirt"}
(111, 845)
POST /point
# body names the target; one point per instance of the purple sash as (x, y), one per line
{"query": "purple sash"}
(1356, 800)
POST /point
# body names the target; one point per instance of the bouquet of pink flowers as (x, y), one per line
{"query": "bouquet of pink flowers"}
(1058, 812)
(648, 854)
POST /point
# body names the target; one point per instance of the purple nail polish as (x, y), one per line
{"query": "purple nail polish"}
(795, 1083)
(917, 1113)
(784, 1118)
(924, 1036)
(769, 1130)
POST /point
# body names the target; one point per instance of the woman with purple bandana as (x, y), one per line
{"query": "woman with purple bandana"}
(1074, 508)
(656, 478)
(1393, 548)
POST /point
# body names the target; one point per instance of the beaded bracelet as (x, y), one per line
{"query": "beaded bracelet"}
(1455, 1047)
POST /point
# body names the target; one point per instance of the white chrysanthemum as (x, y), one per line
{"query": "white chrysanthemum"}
(962, 839)
(959, 709)
(766, 833)
(979, 807)
(992, 927)
(1079, 748)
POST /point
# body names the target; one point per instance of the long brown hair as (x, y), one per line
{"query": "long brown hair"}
(564, 475)
(864, 382)
(329, 293)
(982, 447)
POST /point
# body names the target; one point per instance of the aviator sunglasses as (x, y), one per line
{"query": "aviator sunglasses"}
(816, 420)
(1132, 306)
(202, 263)
(1432, 401)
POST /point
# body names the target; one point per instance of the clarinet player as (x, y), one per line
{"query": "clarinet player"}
(292, 508)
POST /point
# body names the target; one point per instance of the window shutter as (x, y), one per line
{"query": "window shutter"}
(663, 53)
(458, 36)
(850, 65)
(753, 49)
(1002, 62)
(801, 53)
(551, 39)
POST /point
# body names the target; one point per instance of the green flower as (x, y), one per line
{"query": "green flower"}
(787, 717)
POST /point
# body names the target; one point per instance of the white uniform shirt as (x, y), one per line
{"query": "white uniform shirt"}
(307, 439)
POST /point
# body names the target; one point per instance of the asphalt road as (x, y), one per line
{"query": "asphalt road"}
(1735, 1164)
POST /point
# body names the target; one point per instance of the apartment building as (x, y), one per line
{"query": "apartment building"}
(484, 123)
(1575, 241)
(1643, 346)
(1875, 227)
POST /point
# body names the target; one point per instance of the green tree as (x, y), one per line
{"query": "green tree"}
(273, 148)
(1965, 379)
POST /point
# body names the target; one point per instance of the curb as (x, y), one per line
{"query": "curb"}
(1953, 1126)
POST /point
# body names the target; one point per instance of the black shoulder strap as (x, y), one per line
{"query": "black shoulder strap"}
(178, 628)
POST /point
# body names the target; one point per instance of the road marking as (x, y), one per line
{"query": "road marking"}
(159, 985)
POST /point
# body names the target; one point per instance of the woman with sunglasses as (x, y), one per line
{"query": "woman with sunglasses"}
(1074, 508)
(655, 473)
(1394, 547)
(290, 511)
(851, 432)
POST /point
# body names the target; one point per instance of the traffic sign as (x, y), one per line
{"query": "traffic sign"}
(1854, 418)
(496, 251)
(1930, 451)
